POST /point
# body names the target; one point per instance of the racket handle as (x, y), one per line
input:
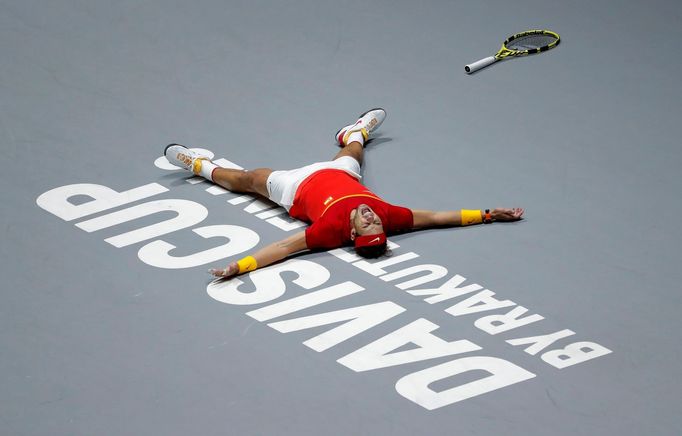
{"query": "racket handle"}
(479, 64)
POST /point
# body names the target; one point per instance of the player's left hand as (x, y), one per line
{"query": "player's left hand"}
(503, 214)
(230, 270)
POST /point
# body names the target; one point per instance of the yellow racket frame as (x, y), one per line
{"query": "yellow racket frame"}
(506, 52)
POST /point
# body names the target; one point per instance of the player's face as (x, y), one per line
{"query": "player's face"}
(365, 221)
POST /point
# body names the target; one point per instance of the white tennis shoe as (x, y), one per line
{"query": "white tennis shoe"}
(366, 124)
(183, 157)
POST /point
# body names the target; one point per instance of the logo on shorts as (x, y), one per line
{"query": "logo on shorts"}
(328, 200)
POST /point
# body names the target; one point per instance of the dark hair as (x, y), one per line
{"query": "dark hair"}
(371, 251)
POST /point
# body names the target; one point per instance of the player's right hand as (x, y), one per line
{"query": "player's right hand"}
(230, 270)
(502, 214)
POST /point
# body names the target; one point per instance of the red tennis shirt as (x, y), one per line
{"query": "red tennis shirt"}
(326, 198)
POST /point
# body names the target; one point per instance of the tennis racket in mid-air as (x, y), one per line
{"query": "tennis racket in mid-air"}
(521, 44)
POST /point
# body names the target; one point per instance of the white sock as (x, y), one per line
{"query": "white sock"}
(207, 168)
(356, 137)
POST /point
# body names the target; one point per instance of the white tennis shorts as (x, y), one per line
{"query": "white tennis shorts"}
(282, 185)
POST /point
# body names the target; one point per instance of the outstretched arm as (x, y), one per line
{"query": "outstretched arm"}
(265, 256)
(429, 218)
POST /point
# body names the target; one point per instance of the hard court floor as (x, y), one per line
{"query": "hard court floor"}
(566, 323)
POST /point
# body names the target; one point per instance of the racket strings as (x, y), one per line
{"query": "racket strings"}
(530, 42)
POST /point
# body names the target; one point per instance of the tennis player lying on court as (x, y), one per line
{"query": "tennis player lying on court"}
(328, 195)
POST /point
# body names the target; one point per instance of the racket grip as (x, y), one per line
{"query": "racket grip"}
(479, 64)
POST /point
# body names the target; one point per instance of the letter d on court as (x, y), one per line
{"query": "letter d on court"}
(415, 386)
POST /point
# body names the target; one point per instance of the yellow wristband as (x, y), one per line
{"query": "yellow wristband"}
(247, 264)
(471, 217)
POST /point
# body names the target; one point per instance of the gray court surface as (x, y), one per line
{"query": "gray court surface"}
(102, 334)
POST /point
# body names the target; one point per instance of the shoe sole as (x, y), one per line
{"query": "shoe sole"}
(165, 150)
(169, 146)
(361, 115)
